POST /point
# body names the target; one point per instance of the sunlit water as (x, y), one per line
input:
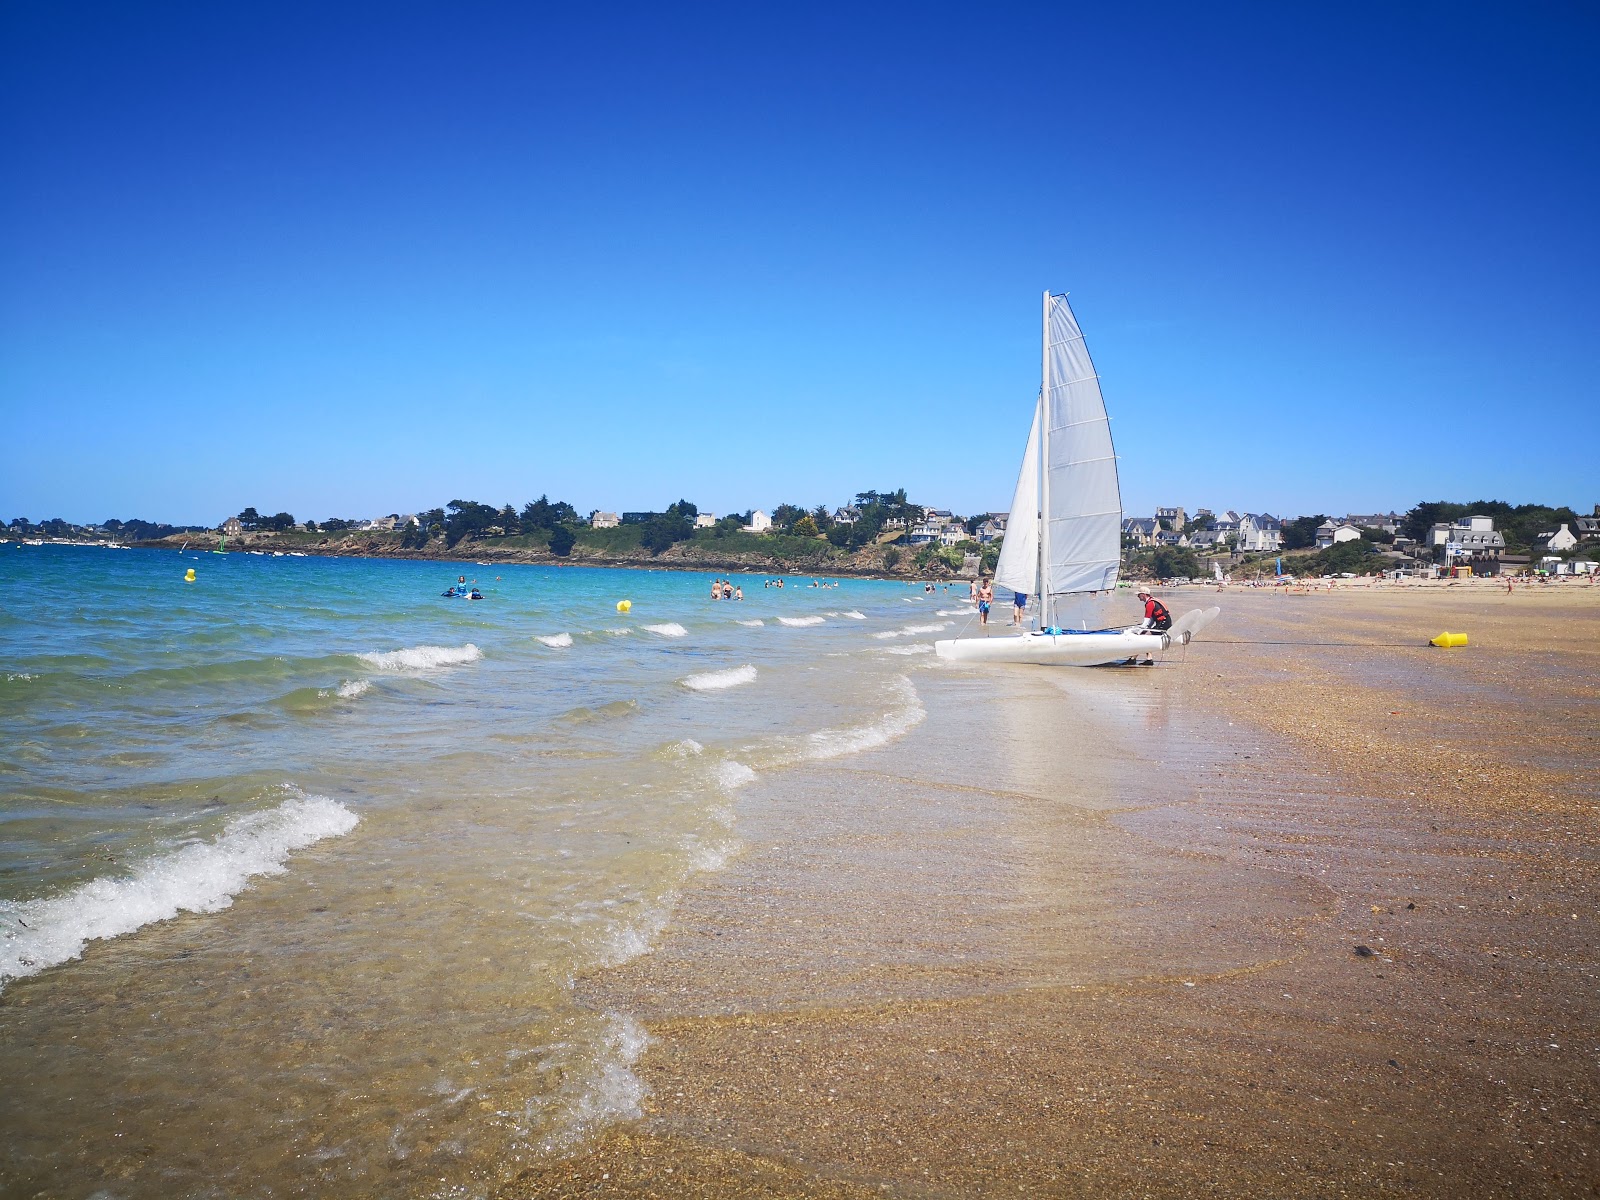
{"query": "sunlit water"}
(300, 860)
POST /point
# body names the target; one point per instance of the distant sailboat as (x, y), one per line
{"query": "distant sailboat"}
(1063, 540)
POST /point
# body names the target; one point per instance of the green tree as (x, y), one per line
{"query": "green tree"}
(1175, 562)
(805, 527)
(1301, 532)
(278, 522)
(561, 539)
(250, 518)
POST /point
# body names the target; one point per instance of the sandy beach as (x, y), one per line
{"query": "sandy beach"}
(1279, 919)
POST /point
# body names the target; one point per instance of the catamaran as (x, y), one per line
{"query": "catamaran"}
(1063, 540)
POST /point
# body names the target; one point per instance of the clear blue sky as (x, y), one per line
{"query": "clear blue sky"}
(347, 259)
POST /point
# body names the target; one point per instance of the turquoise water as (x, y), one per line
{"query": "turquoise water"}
(355, 842)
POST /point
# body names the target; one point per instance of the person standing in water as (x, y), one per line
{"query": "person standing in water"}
(985, 599)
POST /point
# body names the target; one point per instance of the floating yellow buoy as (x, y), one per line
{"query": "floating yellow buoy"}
(624, 605)
(1449, 641)
(188, 576)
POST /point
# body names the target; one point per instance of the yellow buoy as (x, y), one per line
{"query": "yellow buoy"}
(188, 576)
(1449, 641)
(624, 606)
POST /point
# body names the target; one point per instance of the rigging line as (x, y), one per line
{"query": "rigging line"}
(1349, 645)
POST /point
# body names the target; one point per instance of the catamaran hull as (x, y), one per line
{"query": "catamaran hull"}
(1059, 650)
(1076, 649)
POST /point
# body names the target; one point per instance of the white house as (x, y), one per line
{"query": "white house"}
(604, 520)
(705, 520)
(1331, 533)
(1259, 533)
(1172, 518)
(846, 516)
(759, 523)
(993, 526)
(1140, 530)
(1562, 539)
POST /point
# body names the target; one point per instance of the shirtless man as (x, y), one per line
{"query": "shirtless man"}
(985, 598)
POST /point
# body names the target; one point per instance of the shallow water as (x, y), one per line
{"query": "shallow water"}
(300, 861)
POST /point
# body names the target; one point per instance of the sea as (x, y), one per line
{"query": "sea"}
(302, 862)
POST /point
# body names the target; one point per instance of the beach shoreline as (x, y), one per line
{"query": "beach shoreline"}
(1248, 924)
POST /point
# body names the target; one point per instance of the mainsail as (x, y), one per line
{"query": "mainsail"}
(1082, 504)
(1018, 568)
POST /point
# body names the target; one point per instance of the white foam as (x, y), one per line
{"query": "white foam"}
(614, 1092)
(906, 715)
(424, 658)
(202, 877)
(715, 681)
(668, 629)
(732, 775)
(911, 599)
(854, 615)
(24, 675)
(351, 688)
(687, 748)
(913, 630)
(556, 641)
(623, 632)
(954, 612)
(752, 624)
(919, 648)
(802, 621)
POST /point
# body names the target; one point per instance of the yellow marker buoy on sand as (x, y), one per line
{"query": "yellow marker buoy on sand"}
(188, 576)
(624, 605)
(1449, 641)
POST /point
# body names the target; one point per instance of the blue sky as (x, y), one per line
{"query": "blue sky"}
(347, 259)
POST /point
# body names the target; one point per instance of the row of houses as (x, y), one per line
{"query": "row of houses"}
(1246, 533)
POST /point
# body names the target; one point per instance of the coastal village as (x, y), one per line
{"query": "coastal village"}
(882, 532)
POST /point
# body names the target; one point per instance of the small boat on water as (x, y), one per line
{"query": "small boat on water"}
(1063, 541)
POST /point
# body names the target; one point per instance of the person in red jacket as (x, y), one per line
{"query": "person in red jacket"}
(1156, 617)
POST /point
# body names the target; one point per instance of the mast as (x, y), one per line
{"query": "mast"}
(1044, 459)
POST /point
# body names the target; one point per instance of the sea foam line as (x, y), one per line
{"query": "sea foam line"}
(556, 641)
(912, 630)
(714, 681)
(668, 629)
(756, 624)
(202, 877)
(800, 622)
(905, 716)
(423, 658)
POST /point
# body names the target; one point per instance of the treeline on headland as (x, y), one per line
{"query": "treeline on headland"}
(866, 536)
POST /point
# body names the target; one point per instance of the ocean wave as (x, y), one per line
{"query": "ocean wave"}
(854, 615)
(556, 641)
(351, 688)
(668, 629)
(954, 612)
(732, 775)
(688, 748)
(913, 630)
(623, 632)
(23, 676)
(752, 624)
(713, 681)
(423, 658)
(202, 877)
(583, 713)
(608, 1090)
(906, 714)
(799, 622)
(919, 648)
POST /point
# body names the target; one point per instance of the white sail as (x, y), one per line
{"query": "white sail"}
(1083, 505)
(1018, 568)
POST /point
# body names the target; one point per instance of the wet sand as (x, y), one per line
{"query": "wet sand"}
(1265, 920)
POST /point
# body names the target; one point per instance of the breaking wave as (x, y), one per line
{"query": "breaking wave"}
(351, 688)
(713, 681)
(202, 877)
(752, 624)
(668, 629)
(802, 621)
(423, 658)
(912, 630)
(854, 615)
(556, 641)
(919, 648)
